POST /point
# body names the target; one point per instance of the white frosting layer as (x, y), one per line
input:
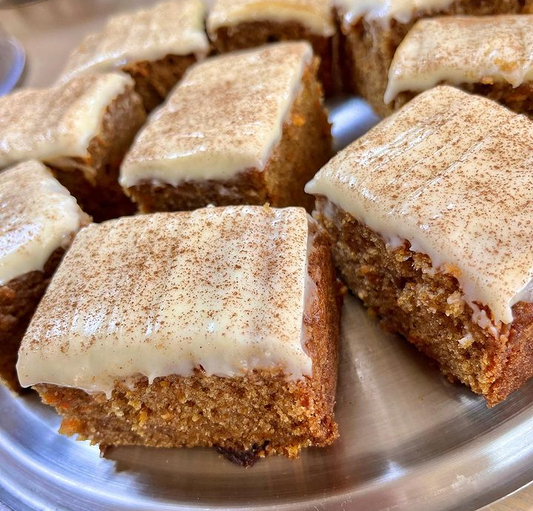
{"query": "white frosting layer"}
(221, 289)
(170, 28)
(37, 216)
(460, 49)
(224, 117)
(316, 15)
(386, 10)
(450, 173)
(56, 122)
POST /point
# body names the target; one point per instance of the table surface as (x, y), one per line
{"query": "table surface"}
(49, 30)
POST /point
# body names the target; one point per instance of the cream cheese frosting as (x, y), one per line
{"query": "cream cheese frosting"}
(316, 15)
(44, 124)
(224, 117)
(217, 289)
(386, 10)
(451, 174)
(37, 216)
(462, 49)
(169, 28)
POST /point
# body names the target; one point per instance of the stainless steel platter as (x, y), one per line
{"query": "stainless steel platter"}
(410, 441)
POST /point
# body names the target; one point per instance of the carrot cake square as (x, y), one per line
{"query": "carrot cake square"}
(219, 328)
(453, 50)
(155, 46)
(372, 31)
(235, 25)
(81, 130)
(38, 219)
(241, 128)
(430, 218)
(488, 55)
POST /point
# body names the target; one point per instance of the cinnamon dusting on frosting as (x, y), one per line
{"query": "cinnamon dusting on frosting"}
(218, 288)
(463, 49)
(174, 27)
(224, 117)
(37, 216)
(44, 124)
(451, 174)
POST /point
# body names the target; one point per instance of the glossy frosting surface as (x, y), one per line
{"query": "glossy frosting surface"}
(44, 124)
(170, 28)
(224, 117)
(386, 10)
(462, 49)
(316, 15)
(37, 216)
(451, 174)
(216, 288)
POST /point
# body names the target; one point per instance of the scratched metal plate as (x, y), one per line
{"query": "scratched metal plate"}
(410, 441)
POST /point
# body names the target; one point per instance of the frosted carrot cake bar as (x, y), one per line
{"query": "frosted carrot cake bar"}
(38, 219)
(219, 328)
(372, 30)
(239, 24)
(489, 55)
(430, 217)
(81, 130)
(242, 128)
(155, 46)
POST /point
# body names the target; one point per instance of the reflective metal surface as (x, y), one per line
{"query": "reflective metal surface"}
(410, 441)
